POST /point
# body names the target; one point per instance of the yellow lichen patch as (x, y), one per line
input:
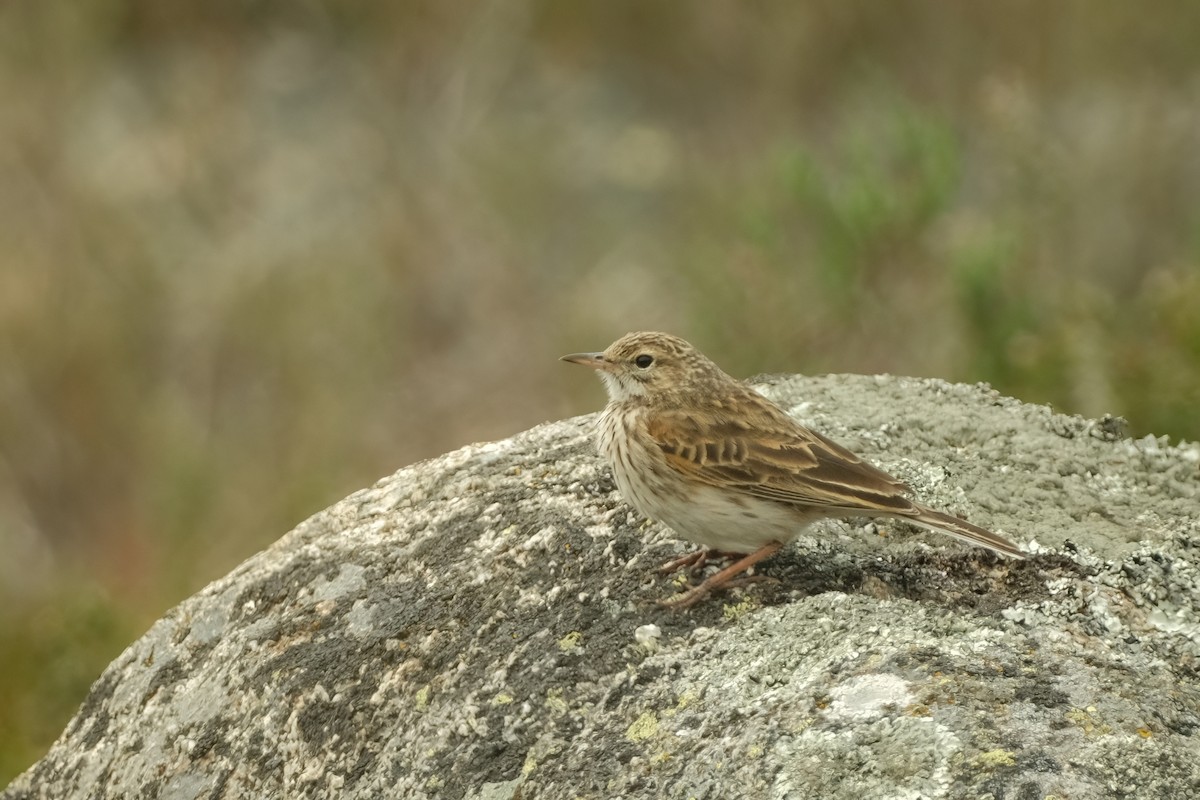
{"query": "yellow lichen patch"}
(555, 702)
(643, 728)
(502, 699)
(1145, 733)
(797, 725)
(735, 611)
(529, 766)
(1085, 720)
(756, 751)
(683, 701)
(995, 758)
(570, 641)
(423, 696)
(686, 699)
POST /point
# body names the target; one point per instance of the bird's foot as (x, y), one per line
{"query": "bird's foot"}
(724, 578)
(696, 561)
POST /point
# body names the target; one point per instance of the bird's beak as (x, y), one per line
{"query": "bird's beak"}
(593, 360)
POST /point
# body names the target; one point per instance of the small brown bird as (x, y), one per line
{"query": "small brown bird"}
(700, 452)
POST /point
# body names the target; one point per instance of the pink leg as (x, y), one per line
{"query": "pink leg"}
(695, 561)
(722, 578)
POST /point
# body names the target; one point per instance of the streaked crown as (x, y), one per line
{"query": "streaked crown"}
(652, 364)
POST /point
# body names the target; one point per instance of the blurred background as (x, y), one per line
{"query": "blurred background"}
(254, 256)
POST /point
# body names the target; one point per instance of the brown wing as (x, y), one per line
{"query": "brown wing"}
(765, 454)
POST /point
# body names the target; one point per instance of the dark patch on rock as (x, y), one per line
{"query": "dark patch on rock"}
(93, 709)
(1042, 693)
(166, 677)
(279, 587)
(210, 738)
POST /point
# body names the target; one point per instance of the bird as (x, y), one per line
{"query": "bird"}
(724, 467)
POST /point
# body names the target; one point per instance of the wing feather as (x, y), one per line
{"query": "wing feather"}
(766, 454)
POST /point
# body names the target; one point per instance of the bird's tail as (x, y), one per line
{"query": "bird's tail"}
(964, 531)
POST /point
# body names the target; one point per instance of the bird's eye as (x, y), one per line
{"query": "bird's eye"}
(643, 361)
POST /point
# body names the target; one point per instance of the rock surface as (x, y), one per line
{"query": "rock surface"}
(483, 625)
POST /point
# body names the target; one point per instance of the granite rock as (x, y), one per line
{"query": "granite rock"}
(484, 625)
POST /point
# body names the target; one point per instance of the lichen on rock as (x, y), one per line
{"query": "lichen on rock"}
(476, 626)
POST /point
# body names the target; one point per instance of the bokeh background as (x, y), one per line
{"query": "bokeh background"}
(255, 255)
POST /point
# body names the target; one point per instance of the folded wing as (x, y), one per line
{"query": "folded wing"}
(767, 455)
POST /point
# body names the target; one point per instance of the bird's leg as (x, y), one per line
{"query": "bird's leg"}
(722, 578)
(694, 562)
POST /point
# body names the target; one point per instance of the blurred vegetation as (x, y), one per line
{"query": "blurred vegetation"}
(254, 256)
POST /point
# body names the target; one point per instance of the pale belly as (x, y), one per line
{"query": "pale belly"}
(706, 515)
(717, 519)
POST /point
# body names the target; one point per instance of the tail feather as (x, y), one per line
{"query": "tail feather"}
(964, 531)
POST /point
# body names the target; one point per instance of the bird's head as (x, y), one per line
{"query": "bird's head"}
(649, 364)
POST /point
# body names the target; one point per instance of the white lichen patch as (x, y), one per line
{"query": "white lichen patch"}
(868, 697)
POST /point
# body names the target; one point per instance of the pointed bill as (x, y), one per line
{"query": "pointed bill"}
(593, 360)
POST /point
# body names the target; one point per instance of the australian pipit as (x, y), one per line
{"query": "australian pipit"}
(726, 468)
